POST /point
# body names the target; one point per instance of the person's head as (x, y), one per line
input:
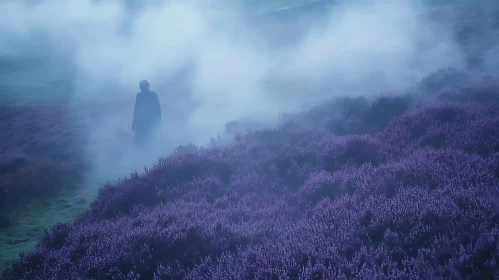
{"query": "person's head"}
(144, 85)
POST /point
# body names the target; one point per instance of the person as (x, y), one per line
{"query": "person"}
(146, 114)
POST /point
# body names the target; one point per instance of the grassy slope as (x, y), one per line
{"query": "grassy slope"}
(31, 221)
(40, 144)
(40, 156)
(43, 167)
(41, 152)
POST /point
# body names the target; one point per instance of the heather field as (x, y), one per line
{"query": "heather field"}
(388, 188)
(382, 164)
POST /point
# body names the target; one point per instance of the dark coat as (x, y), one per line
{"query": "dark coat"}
(147, 111)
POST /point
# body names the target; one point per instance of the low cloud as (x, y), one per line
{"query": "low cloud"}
(211, 62)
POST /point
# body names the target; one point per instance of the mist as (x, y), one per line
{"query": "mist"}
(212, 62)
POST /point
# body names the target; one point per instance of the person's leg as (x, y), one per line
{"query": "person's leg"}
(142, 137)
(139, 138)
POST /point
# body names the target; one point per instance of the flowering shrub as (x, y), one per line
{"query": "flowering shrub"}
(415, 198)
(354, 117)
(40, 153)
(443, 78)
(40, 178)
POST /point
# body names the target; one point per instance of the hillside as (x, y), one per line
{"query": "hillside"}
(352, 189)
(39, 144)
(404, 185)
(44, 169)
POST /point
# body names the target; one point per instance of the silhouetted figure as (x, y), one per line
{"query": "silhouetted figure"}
(146, 115)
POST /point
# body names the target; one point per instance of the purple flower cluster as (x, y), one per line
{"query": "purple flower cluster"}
(406, 191)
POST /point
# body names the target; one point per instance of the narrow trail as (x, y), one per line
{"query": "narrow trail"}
(30, 222)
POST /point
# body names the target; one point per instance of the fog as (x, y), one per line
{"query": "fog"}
(211, 62)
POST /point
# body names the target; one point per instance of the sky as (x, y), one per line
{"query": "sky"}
(211, 62)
